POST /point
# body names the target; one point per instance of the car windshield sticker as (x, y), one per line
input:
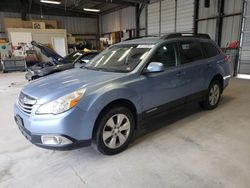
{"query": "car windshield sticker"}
(145, 46)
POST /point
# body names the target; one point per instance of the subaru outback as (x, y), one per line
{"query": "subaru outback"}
(105, 101)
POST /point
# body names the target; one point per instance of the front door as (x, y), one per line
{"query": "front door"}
(164, 90)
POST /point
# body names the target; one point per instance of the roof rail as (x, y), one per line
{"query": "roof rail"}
(182, 35)
(140, 37)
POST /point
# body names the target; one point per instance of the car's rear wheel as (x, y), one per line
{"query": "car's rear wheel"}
(115, 130)
(213, 96)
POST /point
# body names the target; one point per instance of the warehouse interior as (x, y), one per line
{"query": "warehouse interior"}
(189, 147)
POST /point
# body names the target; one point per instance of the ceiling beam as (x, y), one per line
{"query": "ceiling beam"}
(118, 2)
(8, 6)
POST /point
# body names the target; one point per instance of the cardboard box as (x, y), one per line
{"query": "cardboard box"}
(38, 25)
(18, 23)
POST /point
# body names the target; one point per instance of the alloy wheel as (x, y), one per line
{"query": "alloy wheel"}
(116, 131)
(214, 94)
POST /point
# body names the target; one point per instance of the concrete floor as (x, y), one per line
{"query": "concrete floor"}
(190, 148)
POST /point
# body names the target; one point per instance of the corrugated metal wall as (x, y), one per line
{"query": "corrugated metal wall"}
(208, 26)
(245, 46)
(168, 16)
(118, 20)
(231, 24)
(184, 18)
(143, 26)
(74, 25)
(153, 19)
(6, 15)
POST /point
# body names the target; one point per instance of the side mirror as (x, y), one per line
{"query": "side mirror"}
(154, 67)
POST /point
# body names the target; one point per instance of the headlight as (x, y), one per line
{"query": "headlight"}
(61, 104)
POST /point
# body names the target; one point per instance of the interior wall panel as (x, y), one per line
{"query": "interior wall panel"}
(111, 22)
(232, 6)
(244, 66)
(171, 17)
(153, 18)
(230, 30)
(74, 25)
(207, 26)
(118, 20)
(185, 15)
(168, 16)
(208, 12)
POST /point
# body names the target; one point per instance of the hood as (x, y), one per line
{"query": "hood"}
(49, 52)
(56, 85)
(40, 65)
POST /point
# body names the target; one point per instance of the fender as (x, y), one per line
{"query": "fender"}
(217, 69)
(110, 93)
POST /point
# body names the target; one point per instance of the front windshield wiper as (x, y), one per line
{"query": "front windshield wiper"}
(95, 68)
(103, 69)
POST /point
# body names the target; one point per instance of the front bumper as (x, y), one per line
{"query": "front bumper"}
(68, 125)
(36, 140)
(29, 76)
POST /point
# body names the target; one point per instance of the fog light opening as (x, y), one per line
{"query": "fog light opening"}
(55, 140)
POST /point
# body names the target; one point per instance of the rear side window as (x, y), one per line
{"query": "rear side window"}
(191, 51)
(210, 50)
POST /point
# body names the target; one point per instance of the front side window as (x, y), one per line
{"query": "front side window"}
(210, 49)
(119, 58)
(191, 51)
(166, 55)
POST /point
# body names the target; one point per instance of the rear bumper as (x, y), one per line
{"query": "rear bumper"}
(37, 140)
(226, 81)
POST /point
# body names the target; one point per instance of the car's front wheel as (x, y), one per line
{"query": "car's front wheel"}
(213, 96)
(115, 128)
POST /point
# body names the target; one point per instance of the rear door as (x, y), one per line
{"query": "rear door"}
(214, 59)
(193, 65)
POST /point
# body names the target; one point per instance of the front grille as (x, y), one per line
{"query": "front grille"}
(26, 103)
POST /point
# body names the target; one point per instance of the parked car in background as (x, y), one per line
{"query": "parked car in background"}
(107, 100)
(57, 63)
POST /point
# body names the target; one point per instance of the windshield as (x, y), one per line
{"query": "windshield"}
(122, 58)
(71, 58)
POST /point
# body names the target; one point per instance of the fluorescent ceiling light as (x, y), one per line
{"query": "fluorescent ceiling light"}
(51, 2)
(91, 10)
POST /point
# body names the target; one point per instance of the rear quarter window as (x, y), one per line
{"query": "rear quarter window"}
(210, 49)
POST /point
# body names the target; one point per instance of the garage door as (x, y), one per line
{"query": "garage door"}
(245, 47)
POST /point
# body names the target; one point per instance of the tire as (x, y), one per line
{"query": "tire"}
(213, 96)
(113, 137)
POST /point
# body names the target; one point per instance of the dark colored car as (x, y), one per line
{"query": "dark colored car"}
(57, 63)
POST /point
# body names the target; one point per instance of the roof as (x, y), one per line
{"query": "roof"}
(155, 39)
(144, 40)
